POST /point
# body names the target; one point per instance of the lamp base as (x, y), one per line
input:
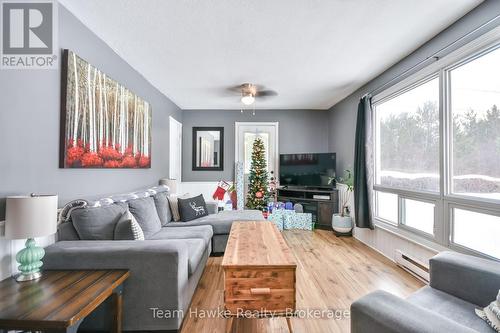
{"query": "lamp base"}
(30, 261)
(28, 277)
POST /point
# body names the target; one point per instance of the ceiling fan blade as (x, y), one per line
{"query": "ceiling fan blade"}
(266, 93)
(236, 89)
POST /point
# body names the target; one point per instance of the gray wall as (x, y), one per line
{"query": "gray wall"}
(299, 131)
(343, 114)
(29, 125)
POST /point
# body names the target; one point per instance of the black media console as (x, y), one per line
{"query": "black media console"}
(321, 202)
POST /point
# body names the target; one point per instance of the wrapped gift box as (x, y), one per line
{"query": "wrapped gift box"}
(277, 219)
(298, 221)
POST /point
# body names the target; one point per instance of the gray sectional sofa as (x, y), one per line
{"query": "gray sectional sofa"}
(165, 268)
(458, 284)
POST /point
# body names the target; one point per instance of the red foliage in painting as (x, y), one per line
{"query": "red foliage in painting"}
(74, 154)
(110, 153)
(128, 151)
(128, 162)
(112, 164)
(91, 160)
(107, 156)
(144, 161)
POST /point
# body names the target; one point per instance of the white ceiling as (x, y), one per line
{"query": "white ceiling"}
(312, 52)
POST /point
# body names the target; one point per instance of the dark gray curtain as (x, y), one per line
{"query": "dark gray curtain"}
(361, 193)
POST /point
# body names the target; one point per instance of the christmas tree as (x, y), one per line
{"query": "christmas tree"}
(258, 191)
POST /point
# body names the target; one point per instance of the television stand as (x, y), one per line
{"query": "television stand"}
(320, 202)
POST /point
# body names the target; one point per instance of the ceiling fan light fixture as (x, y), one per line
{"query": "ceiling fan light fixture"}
(247, 99)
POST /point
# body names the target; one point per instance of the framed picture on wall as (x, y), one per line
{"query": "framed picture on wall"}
(208, 148)
(103, 124)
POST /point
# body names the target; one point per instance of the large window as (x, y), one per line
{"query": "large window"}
(408, 139)
(437, 154)
(475, 109)
(477, 231)
(418, 215)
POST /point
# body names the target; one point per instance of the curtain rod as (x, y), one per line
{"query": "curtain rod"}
(435, 56)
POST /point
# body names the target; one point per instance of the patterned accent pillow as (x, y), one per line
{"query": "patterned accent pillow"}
(192, 208)
(136, 229)
(491, 314)
(127, 228)
(173, 200)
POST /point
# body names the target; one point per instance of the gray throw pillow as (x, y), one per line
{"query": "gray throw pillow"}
(127, 228)
(144, 210)
(163, 208)
(192, 208)
(97, 223)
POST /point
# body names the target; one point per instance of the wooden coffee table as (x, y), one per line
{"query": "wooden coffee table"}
(259, 273)
(60, 300)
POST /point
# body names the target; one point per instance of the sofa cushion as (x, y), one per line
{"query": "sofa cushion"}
(144, 210)
(66, 232)
(163, 208)
(450, 307)
(174, 205)
(127, 228)
(97, 223)
(196, 249)
(221, 222)
(192, 208)
(200, 231)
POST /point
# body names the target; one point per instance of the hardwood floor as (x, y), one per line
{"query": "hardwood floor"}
(332, 272)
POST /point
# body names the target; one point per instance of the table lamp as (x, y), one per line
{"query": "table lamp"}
(27, 217)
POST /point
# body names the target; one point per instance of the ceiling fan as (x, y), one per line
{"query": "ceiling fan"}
(249, 92)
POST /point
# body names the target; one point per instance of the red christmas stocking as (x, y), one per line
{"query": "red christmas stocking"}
(219, 193)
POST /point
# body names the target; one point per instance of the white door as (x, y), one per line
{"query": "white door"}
(175, 163)
(246, 133)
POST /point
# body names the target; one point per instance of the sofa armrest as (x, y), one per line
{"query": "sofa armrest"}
(212, 207)
(382, 312)
(472, 279)
(158, 274)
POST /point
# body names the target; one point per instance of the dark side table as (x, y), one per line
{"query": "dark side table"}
(60, 300)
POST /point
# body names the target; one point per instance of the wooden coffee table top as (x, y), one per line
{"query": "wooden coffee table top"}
(58, 299)
(256, 244)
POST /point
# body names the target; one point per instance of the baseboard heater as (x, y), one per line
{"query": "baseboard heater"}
(412, 266)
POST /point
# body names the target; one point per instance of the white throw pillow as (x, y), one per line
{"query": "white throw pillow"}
(173, 200)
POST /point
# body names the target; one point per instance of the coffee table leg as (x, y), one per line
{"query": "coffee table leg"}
(116, 299)
(229, 324)
(289, 324)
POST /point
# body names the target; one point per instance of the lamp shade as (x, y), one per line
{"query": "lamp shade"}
(171, 183)
(30, 216)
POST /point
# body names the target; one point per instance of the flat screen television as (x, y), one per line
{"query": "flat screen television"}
(308, 170)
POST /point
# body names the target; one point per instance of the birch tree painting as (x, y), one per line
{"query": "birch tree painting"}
(105, 125)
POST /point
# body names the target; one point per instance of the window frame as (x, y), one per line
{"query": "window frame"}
(444, 200)
(471, 208)
(376, 130)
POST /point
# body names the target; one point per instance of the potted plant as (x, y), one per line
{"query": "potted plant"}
(342, 223)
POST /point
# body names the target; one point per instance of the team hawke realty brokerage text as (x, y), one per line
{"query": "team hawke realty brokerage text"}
(29, 34)
(335, 314)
